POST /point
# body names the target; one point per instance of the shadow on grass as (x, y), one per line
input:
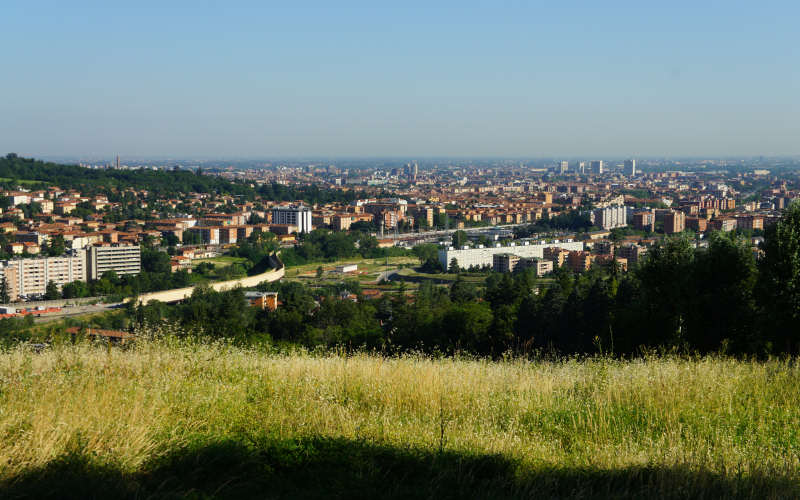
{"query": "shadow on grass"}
(338, 468)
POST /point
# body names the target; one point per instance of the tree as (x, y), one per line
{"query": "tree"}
(459, 239)
(4, 297)
(75, 289)
(779, 279)
(154, 261)
(51, 291)
(665, 276)
(170, 239)
(56, 246)
(722, 286)
(319, 272)
(426, 251)
(454, 269)
(462, 291)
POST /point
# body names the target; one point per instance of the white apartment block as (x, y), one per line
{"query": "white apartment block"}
(293, 215)
(122, 259)
(610, 217)
(468, 257)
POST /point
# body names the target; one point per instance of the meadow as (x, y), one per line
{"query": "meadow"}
(169, 419)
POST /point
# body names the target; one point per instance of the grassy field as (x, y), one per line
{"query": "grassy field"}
(161, 421)
(222, 261)
(21, 181)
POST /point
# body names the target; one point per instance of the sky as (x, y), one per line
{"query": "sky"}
(413, 79)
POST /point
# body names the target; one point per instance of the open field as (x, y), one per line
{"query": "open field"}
(175, 420)
(21, 181)
(368, 269)
(221, 261)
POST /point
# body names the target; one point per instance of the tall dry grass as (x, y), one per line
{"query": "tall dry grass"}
(126, 408)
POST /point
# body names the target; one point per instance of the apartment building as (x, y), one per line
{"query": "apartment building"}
(30, 276)
(699, 224)
(725, 224)
(505, 262)
(632, 253)
(579, 261)
(293, 215)
(610, 217)
(122, 259)
(555, 255)
(674, 222)
(540, 266)
(644, 221)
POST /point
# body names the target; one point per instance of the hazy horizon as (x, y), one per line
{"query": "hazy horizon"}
(357, 81)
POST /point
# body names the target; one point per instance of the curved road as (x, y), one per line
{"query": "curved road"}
(177, 294)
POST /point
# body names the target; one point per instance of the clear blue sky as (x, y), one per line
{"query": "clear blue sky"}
(256, 79)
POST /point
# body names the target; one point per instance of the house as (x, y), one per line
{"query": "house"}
(262, 300)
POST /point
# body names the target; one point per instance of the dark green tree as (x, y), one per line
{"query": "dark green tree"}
(454, 269)
(4, 297)
(459, 239)
(51, 291)
(779, 280)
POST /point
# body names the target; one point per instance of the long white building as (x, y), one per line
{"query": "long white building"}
(468, 257)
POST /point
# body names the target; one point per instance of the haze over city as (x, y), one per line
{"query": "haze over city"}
(257, 79)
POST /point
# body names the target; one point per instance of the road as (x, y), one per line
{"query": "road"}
(76, 311)
(178, 294)
(173, 295)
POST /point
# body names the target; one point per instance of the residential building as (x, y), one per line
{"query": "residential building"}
(505, 262)
(262, 300)
(724, 224)
(294, 215)
(579, 261)
(674, 222)
(630, 168)
(122, 259)
(540, 266)
(698, 224)
(610, 217)
(632, 253)
(30, 276)
(556, 255)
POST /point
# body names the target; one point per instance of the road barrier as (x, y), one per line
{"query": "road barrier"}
(177, 294)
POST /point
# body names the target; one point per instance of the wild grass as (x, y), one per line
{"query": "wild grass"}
(175, 419)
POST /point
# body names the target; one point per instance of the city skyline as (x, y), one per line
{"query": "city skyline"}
(454, 80)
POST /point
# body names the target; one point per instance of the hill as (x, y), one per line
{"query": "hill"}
(166, 419)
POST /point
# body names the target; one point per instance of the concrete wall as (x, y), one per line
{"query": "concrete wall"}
(177, 294)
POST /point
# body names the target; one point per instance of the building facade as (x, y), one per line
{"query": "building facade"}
(29, 277)
(630, 168)
(122, 259)
(293, 215)
(610, 217)
(480, 257)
